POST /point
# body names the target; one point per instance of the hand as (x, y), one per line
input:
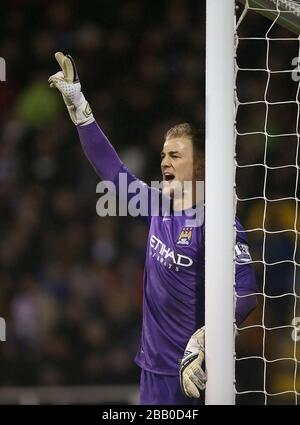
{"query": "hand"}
(192, 376)
(67, 82)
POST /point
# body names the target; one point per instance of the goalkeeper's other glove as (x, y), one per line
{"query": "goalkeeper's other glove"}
(67, 82)
(192, 376)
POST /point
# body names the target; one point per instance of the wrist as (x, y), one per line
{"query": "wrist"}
(81, 114)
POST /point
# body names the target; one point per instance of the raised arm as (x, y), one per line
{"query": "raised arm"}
(95, 144)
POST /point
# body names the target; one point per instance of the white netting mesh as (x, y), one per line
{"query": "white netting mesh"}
(267, 194)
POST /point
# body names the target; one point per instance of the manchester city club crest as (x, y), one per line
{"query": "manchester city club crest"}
(185, 236)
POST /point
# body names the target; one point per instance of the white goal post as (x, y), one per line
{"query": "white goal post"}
(219, 202)
(224, 137)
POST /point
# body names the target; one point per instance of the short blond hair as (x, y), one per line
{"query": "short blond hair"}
(180, 130)
(196, 136)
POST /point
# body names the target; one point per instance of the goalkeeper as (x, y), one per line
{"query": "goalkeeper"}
(171, 354)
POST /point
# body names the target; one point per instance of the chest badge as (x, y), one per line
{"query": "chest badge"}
(185, 236)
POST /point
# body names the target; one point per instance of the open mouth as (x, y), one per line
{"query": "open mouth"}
(169, 177)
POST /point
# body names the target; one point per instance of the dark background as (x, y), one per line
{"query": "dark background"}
(70, 281)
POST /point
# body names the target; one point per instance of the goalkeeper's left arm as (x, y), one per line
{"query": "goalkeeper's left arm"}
(192, 375)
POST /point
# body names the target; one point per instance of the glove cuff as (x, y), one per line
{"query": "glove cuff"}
(81, 113)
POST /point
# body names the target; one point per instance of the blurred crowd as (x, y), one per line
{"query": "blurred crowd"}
(70, 281)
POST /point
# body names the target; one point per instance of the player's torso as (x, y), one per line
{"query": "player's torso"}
(173, 291)
(175, 243)
(175, 257)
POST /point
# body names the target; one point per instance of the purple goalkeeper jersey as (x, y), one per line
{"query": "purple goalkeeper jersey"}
(173, 302)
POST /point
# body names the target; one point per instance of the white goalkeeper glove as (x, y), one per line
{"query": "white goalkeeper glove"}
(192, 376)
(67, 82)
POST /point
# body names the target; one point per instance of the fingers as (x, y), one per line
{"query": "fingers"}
(200, 374)
(190, 389)
(72, 71)
(54, 79)
(197, 376)
(194, 380)
(199, 381)
(59, 56)
(68, 67)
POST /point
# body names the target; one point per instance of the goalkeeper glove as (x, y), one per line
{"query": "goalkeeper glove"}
(192, 376)
(67, 82)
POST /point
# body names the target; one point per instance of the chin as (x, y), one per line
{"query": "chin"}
(172, 189)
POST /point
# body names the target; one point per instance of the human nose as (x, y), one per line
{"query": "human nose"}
(165, 162)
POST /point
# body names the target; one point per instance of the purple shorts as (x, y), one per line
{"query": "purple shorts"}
(164, 389)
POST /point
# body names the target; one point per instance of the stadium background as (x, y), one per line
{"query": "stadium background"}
(71, 282)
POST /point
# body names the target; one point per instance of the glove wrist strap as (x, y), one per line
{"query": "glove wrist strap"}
(81, 113)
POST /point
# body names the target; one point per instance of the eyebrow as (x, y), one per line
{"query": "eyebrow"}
(170, 152)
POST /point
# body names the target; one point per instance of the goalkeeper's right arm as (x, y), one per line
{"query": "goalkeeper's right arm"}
(95, 144)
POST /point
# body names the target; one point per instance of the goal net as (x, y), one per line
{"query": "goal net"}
(267, 195)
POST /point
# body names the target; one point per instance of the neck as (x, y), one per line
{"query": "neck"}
(189, 198)
(183, 203)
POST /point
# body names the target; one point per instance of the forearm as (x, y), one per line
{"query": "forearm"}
(99, 151)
